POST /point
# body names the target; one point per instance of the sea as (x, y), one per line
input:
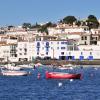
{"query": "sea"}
(31, 88)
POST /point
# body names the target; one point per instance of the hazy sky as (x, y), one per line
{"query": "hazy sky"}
(15, 12)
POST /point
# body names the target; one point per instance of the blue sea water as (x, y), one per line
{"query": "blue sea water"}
(31, 88)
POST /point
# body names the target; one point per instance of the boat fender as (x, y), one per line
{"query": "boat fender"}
(38, 76)
(71, 80)
(59, 84)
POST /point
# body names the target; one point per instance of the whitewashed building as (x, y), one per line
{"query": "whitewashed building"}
(65, 28)
(25, 51)
(65, 50)
(4, 52)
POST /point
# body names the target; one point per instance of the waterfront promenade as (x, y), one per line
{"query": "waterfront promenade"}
(63, 62)
(59, 62)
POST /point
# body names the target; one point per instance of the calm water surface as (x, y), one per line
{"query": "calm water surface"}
(31, 88)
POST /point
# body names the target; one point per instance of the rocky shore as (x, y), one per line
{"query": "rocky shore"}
(63, 62)
(59, 62)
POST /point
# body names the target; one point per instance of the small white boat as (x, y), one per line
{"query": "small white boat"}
(14, 73)
(63, 67)
(10, 67)
(68, 65)
(25, 66)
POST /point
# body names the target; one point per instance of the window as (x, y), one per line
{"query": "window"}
(82, 38)
(70, 48)
(46, 53)
(81, 53)
(63, 30)
(96, 38)
(85, 38)
(58, 48)
(20, 53)
(47, 49)
(65, 42)
(62, 42)
(85, 29)
(38, 43)
(62, 53)
(47, 43)
(37, 49)
(90, 53)
(51, 43)
(25, 53)
(85, 43)
(37, 53)
(25, 49)
(15, 55)
(62, 47)
(20, 49)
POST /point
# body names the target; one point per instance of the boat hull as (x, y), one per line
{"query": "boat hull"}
(59, 75)
(14, 73)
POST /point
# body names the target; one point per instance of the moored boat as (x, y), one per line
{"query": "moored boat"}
(64, 67)
(60, 75)
(13, 73)
(11, 67)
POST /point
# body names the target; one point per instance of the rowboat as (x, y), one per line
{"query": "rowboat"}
(13, 73)
(64, 67)
(60, 75)
(11, 67)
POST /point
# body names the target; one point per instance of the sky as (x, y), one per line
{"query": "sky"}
(16, 12)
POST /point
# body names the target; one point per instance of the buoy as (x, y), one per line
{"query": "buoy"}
(71, 80)
(38, 76)
(96, 68)
(29, 73)
(60, 84)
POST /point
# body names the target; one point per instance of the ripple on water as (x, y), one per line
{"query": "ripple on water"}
(30, 88)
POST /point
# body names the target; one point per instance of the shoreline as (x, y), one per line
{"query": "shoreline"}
(64, 62)
(58, 62)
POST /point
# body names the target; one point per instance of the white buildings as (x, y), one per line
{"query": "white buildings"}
(4, 52)
(63, 43)
(65, 28)
(65, 50)
(25, 51)
(48, 49)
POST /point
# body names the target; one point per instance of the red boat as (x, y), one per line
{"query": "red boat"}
(59, 75)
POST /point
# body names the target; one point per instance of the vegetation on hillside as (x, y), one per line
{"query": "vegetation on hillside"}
(69, 20)
(91, 22)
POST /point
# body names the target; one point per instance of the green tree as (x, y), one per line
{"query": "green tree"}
(26, 25)
(10, 26)
(36, 25)
(92, 22)
(44, 28)
(78, 23)
(69, 20)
